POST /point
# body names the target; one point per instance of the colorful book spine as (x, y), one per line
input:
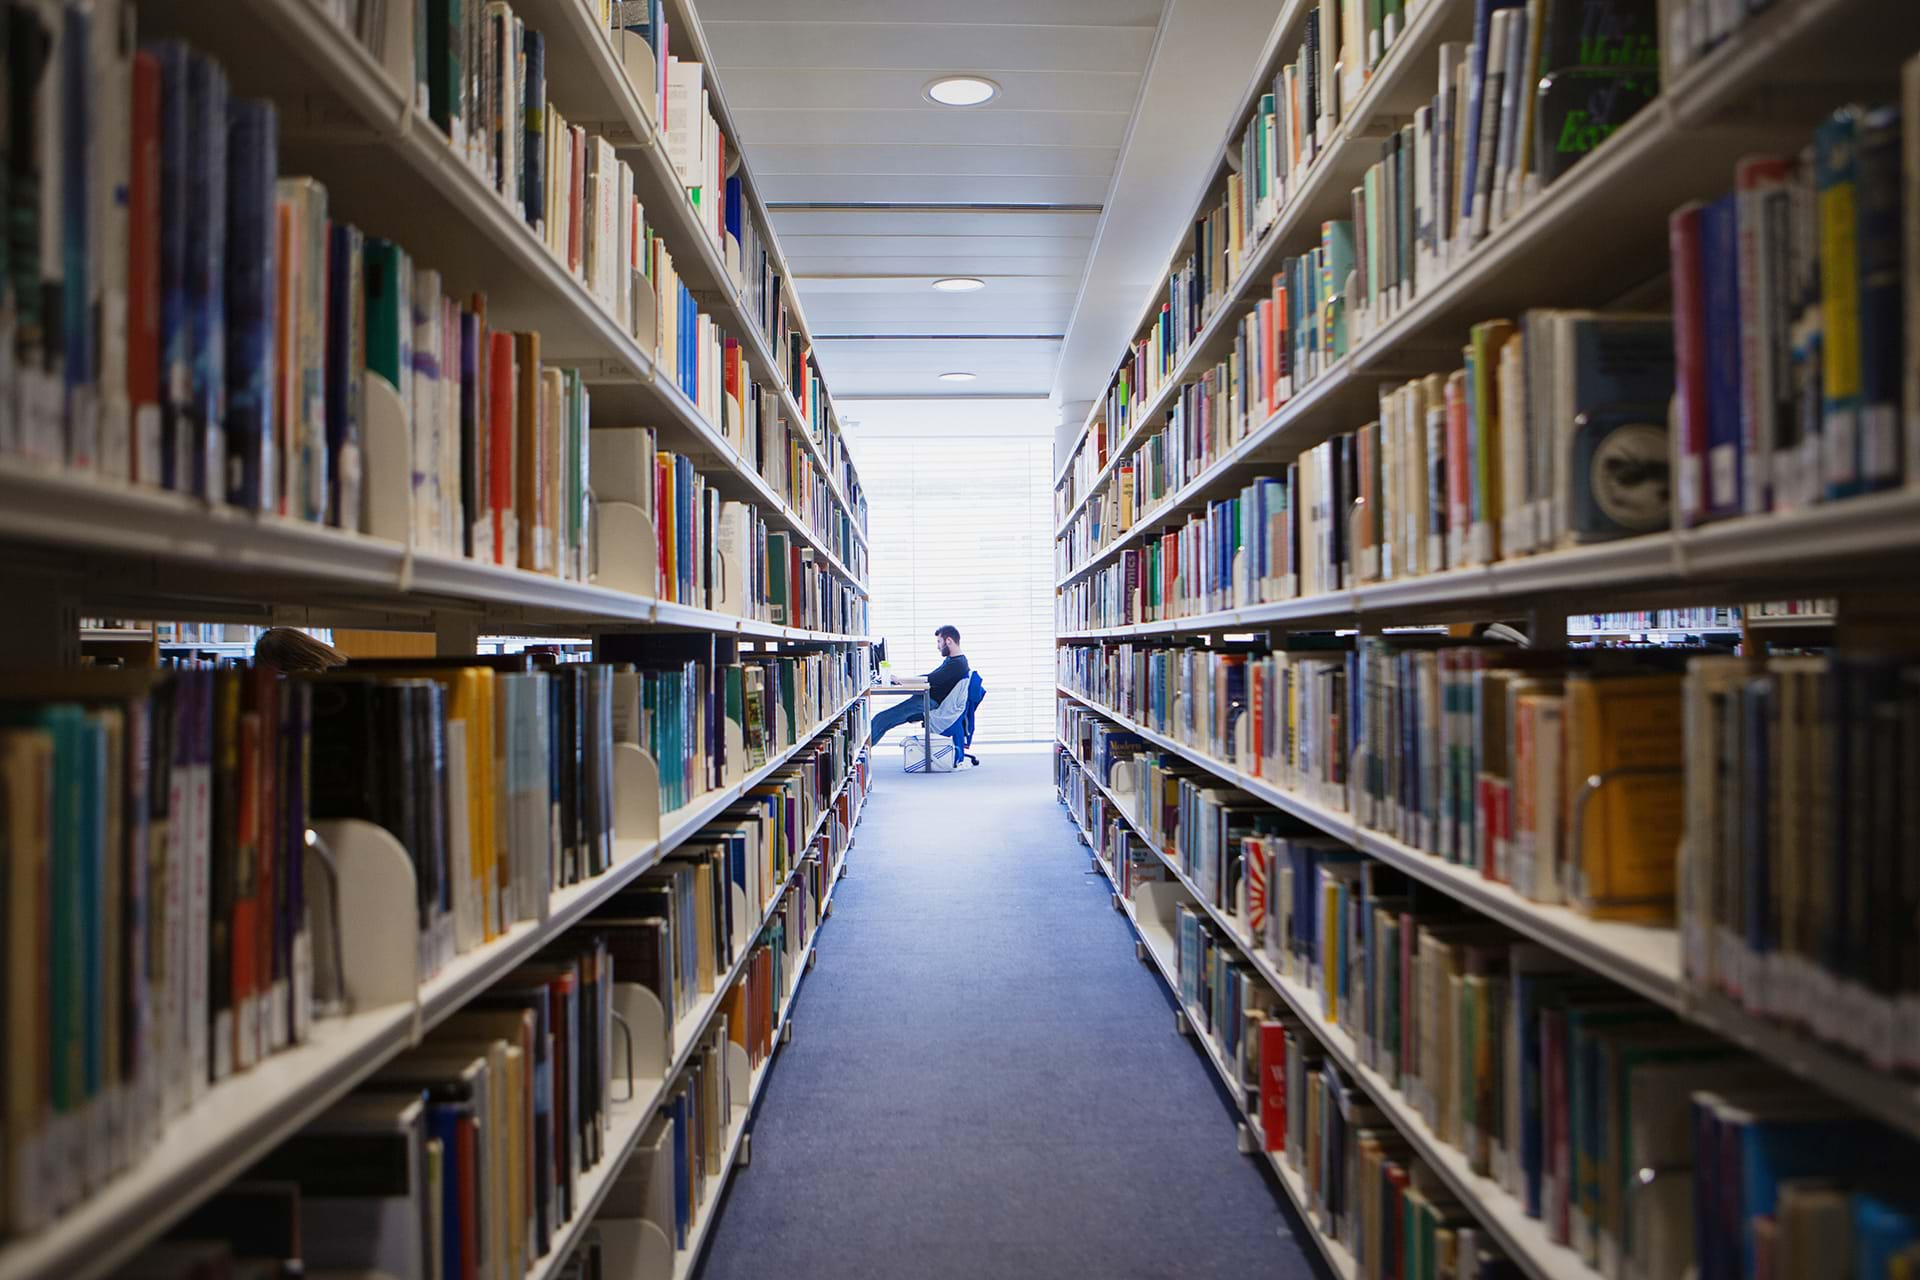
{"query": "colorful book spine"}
(251, 479)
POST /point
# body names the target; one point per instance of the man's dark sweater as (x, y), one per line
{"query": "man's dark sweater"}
(941, 679)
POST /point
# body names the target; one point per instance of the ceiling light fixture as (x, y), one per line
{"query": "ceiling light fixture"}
(959, 284)
(957, 377)
(962, 91)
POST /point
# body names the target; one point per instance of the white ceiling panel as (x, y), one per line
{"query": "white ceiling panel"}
(1061, 225)
(946, 248)
(929, 126)
(910, 368)
(829, 98)
(1058, 13)
(930, 188)
(1023, 313)
(842, 88)
(830, 288)
(820, 158)
(933, 47)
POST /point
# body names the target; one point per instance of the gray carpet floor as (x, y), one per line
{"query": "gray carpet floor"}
(983, 1080)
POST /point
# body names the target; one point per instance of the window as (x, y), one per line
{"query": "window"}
(961, 532)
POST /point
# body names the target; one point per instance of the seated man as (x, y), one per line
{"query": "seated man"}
(951, 671)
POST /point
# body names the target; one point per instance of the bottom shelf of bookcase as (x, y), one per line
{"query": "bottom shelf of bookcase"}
(1525, 1239)
(687, 1259)
(630, 1118)
(1164, 952)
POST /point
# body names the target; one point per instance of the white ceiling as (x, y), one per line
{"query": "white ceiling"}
(828, 97)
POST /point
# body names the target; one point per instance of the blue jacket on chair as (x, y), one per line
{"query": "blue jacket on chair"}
(961, 731)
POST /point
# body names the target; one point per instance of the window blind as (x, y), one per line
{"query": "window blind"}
(961, 532)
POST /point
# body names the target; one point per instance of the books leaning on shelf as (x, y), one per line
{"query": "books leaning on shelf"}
(706, 551)
(157, 867)
(1377, 1027)
(1466, 162)
(472, 1152)
(1626, 785)
(276, 359)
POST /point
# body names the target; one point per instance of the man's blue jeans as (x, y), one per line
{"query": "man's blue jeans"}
(905, 711)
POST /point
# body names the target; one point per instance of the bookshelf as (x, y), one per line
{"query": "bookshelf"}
(1596, 237)
(79, 543)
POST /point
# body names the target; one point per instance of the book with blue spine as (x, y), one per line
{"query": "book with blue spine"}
(534, 149)
(206, 252)
(251, 301)
(176, 464)
(1720, 280)
(1476, 97)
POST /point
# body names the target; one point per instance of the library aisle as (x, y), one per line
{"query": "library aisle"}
(982, 1078)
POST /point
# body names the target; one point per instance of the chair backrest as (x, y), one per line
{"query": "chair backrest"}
(950, 708)
(961, 730)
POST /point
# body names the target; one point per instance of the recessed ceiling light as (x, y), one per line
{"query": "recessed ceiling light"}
(959, 284)
(956, 377)
(962, 91)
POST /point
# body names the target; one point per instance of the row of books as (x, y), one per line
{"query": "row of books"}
(1504, 457)
(465, 1156)
(1702, 618)
(1359, 1181)
(461, 1157)
(1476, 754)
(1797, 873)
(1488, 1039)
(1540, 85)
(684, 704)
(1293, 333)
(1794, 322)
(1364, 1185)
(157, 864)
(257, 382)
(680, 98)
(1785, 352)
(718, 554)
(1717, 806)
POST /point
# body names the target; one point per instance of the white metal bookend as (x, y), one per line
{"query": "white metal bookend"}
(636, 798)
(636, 1248)
(626, 554)
(378, 919)
(652, 1034)
(386, 445)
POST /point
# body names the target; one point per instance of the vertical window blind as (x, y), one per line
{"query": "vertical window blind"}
(961, 533)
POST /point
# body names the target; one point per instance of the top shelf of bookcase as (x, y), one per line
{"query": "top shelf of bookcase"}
(343, 117)
(588, 80)
(1760, 90)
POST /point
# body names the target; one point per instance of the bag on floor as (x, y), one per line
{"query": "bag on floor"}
(913, 755)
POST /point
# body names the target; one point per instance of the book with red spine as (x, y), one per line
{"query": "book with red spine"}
(1273, 1085)
(1690, 360)
(143, 271)
(500, 487)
